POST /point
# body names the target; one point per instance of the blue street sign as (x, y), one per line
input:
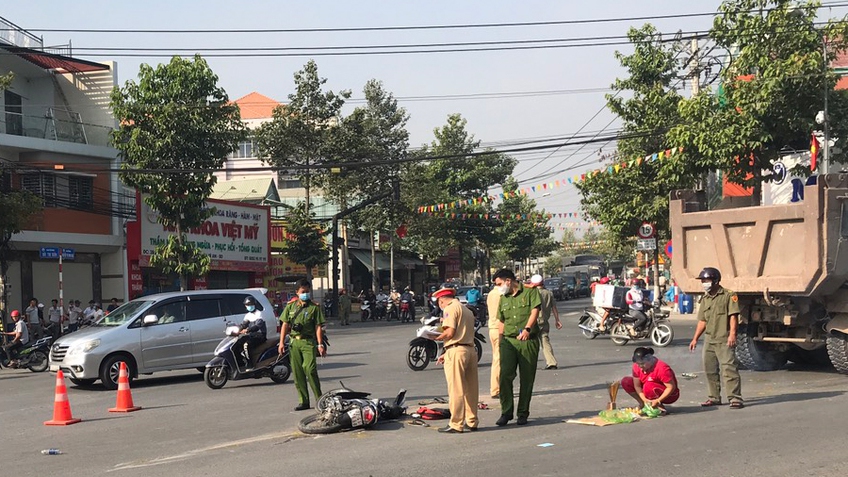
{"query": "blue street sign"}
(52, 253)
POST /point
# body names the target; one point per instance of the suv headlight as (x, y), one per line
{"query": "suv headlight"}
(83, 347)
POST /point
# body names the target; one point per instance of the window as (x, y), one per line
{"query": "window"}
(245, 149)
(14, 113)
(42, 185)
(171, 312)
(80, 192)
(233, 304)
(202, 309)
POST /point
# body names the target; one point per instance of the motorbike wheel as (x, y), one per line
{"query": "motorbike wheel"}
(585, 321)
(365, 315)
(38, 362)
(315, 425)
(479, 347)
(662, 334)
(418, 358)
(281, 377)
(216, 377)
(619, 329)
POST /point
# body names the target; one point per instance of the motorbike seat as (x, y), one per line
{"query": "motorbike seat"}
(264, 346)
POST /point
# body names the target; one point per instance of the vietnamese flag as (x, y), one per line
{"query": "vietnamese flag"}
(814, 152)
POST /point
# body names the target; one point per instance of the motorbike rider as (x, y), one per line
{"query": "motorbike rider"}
(635, 299)
(19, 340)
(252, 328)
(604, 312)
(407, 296)
(380, 304)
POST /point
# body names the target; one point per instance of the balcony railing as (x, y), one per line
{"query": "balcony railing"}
(56, 124)
(17, 36)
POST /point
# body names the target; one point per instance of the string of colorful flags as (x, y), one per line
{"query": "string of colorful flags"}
(533, 216)
(611, 169)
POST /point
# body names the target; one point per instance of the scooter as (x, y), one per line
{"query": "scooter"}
(656, 328)
(345, 409)
(422, 350)
(405, 311)
(228, 362)
(590, 322)
(392, 311)
(34, 356)
(366, 311)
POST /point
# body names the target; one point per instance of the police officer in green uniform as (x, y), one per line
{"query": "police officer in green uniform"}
(718, 316)
(518, 314)
(302, 318)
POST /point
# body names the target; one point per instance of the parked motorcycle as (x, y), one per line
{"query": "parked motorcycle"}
(328, 306)
(405, 311)
(423, 350)
(228, 362)
(344, 409)
(380, 309)
(33, 356)
(365, 310)
(656, 328)
(392, 312)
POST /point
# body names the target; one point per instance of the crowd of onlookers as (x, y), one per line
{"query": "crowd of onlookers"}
(57, 320)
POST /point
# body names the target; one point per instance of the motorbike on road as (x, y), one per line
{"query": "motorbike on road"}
(344, 409)
(405, 311)
(33, 356)
(228, 363)
(656, 328)
(392, 312)
(423, 350)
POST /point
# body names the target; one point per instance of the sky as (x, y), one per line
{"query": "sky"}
(491, 120)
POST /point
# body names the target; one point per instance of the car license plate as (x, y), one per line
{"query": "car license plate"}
(54, 368)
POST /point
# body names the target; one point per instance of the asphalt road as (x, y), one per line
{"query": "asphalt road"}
(793, 424)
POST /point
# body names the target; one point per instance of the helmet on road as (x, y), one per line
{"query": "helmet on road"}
(249, 301)
(710, 273)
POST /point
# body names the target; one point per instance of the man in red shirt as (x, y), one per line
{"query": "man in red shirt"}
(653, 381)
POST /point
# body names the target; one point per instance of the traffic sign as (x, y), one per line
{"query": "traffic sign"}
(668, 248)
(646, 230)
(52, 253)
(646, 244)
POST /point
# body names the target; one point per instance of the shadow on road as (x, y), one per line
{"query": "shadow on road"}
(146, 382)
(592, 387)
(793, 397)
(336, 355)
(322, 366)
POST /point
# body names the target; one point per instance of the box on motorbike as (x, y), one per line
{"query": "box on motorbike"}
(610, 296)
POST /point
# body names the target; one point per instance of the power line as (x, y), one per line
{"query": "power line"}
(398, 27)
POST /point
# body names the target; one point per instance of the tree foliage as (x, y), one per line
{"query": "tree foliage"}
(520, 235)
(771, 90)
(175, 118)
(647, 103)
(304, 242)
(17, 207)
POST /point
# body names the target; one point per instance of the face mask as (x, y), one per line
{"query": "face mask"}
(504, 289)
(250, 308)
(304, 296)
(707, 286)
(435, 300)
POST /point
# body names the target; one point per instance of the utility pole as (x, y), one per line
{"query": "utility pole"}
(694, 67)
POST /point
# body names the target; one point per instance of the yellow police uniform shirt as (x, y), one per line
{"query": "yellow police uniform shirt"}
(461, 319)
(310, 318)
(514, 311)
(493, 303)
(716, 310)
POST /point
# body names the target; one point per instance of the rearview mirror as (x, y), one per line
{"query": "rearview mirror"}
(150, 320)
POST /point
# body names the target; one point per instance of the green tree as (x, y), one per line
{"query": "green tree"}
(304, 242)
(303, 132)
(770, 91)
(636, 191)
(523, 232)
(17, 207)
(176, 127)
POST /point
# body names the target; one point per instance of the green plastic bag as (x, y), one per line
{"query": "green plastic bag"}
(649, 411)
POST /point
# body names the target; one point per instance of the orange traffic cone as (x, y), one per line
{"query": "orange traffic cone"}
(125, 402)
(61, 407)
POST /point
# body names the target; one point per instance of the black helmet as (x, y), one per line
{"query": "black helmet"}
(249, 301)
(642, 353)
(710, 273)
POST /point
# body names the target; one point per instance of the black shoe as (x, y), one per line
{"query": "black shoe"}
(503, 420)
(553, 366)
(471, 429)
(522, 420)
(496, 396)
(301, 407)
(449, 430)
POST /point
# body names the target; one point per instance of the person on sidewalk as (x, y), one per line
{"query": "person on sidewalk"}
(35, 319)
(518, 312)
(718, 316)
(344, 307)
(493, 302)
(302, 318)
(652, 382)
(54, 316)
(460, 360)
(548, 308)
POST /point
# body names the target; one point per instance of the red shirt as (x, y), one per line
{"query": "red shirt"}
(661, 374)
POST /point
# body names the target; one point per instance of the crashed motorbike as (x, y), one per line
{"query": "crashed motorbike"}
(345, 409)
(422, 350)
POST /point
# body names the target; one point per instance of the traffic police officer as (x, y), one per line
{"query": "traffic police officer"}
(718, 315)
(344, 307)
(460, 360)
(519, 310)
(302, 318)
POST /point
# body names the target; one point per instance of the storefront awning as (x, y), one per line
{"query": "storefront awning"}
(383, 260)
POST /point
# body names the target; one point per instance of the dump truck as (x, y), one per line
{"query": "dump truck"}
(788, 264)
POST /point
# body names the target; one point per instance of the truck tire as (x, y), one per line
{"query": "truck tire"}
(816, 357)
(756, 355)
(837, 349)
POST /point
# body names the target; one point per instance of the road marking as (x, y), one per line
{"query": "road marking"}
(288, 436)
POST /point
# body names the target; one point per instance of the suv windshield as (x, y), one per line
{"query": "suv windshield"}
(123, 313)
